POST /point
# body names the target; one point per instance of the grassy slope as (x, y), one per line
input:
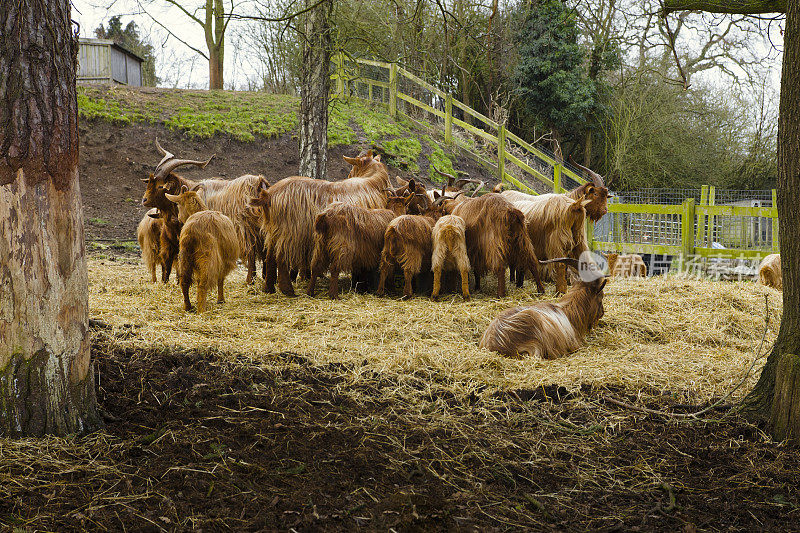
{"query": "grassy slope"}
(246, 115)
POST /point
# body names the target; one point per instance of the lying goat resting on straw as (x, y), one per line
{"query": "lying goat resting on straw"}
(551, 329)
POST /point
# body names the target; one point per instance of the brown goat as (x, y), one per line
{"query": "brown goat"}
(555, 224)
(148, 233)
(347, 238)
(548, 329)
(230, 197)
(769, 272)
(408, 242)
(496, 237)
(209, 248)
(289, 216)
(596, 192)
(450, 252)
(626, 266)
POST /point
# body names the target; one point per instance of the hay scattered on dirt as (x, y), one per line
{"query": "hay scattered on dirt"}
(660, 334)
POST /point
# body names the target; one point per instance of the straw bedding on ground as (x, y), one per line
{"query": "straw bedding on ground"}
(692, 338)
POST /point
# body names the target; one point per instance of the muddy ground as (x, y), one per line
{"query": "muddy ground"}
(208, 442)
(114, 158)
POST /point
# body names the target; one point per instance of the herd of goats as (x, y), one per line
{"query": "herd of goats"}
(363, 225)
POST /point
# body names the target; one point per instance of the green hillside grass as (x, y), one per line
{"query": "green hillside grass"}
(245, 116)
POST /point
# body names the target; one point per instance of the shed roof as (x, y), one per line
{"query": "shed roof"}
(109, 42)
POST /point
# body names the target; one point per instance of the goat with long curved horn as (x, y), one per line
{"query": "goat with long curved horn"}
(597, 179)
(165, 168)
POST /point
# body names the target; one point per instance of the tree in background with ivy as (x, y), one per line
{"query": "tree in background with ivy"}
(129, 38)
(550, 78)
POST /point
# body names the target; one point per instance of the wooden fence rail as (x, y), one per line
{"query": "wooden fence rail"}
(685, 230)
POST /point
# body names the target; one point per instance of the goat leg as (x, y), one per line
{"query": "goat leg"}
(251, 265)
(534, 267)
(185, 284)
(501, 282)
(464, 282)
(408, 290)
(270, 269)
(220, 292)
(284, 283)
(202, 293)
(561, 278)
(387, 271)
(437, 283)
(333, 288)
(477, 282)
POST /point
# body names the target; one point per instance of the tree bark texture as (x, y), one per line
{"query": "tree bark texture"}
(314, 90)
(214, 29)
(788, 341)
(46, 382)
(742, 7)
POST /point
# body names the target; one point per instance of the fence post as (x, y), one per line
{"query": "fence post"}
(340, 75)
(448, 119)
(687, 231)
(557, 179)
(393, 89)
(590, 234)
(701, 218)
(501, 151)
(775, 242)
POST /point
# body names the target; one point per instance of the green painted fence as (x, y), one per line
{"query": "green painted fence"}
(684, 230)
(509, 157)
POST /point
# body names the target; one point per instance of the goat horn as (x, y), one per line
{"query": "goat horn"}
(479, 187)
(172, 164)
(569, 261)
(450, 177)
(167, 155)
(597, 179)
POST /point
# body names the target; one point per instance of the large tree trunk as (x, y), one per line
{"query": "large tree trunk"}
(765, 399)
(314, 90)
(46, 382)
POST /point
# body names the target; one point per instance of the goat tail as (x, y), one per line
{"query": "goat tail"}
(523, 247)
(187, 262)
(390, 242)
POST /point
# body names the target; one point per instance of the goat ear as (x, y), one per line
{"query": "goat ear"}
(351, 160)
(589, 190)
(368, 155)
(377, 158)
(185, 189)
(157, 214)
(412, 185)
(436, 195)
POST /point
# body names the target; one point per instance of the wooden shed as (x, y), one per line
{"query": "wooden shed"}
(104, 61)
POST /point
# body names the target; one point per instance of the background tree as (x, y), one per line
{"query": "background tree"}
(212, 17)
(776, 396)
(315, 88)
(47, 382)
(550, 78)
(129, 38)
